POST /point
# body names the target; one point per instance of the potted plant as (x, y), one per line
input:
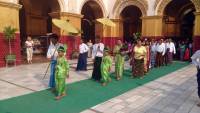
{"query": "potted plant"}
(74, 54)
(9, 34)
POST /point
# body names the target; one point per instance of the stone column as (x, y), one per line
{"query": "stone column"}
(196, 38)
(9, 17)
(112, 34)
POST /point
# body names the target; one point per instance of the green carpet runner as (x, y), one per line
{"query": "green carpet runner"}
(81, 95)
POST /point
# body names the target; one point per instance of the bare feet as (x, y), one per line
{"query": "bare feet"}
(118, 78)
(141, 77)
(64, 94)
(58, 98)
(103, 84)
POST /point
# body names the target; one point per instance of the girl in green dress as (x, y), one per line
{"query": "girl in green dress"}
(62, 71)
(106, 67)
(119, 60)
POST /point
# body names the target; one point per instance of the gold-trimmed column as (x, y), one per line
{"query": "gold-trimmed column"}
(117, 31)
(196, 38)
(9, 17)
(152, 26)
(112, 34)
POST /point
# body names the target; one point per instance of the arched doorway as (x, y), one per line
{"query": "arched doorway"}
(36, 22)
(91, 10)
(179, 20)
(131, 22)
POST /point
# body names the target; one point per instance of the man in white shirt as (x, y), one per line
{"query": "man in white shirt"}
(172, 50)
(82, 60)
(52, 55)
(166, 59)
(97, 54)
(196, 61)
(160, 49)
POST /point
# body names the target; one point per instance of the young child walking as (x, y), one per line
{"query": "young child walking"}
(106, 67)
(62, 71)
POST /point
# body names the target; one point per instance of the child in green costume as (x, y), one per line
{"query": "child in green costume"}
(62, 71)
(106, 67)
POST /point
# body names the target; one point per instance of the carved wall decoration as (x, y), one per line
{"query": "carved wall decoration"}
(61, 4)
(99, 2)
(162, 5)
(121, 4)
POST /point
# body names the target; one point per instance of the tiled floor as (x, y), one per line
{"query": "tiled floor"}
(174, 93)
(29, 78)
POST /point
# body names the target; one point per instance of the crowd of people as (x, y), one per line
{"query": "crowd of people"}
(143, 54)
(146, 53)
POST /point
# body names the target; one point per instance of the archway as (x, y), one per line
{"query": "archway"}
(179, 20)
(90, 28)
(36, 22)
(131, 22)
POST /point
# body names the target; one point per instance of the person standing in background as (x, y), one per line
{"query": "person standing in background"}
(190, 48)
(166, 59)
(82, 59)
(89, 44)
(147, 57)
(119, 60)
(172, 51)
(182, 48)
(153, 53)
(29, 49)
(160, 49)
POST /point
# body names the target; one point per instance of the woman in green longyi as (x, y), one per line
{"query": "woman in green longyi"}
(119, 60)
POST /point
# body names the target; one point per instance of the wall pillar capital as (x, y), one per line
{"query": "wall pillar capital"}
(65, 14)
(10, 5)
